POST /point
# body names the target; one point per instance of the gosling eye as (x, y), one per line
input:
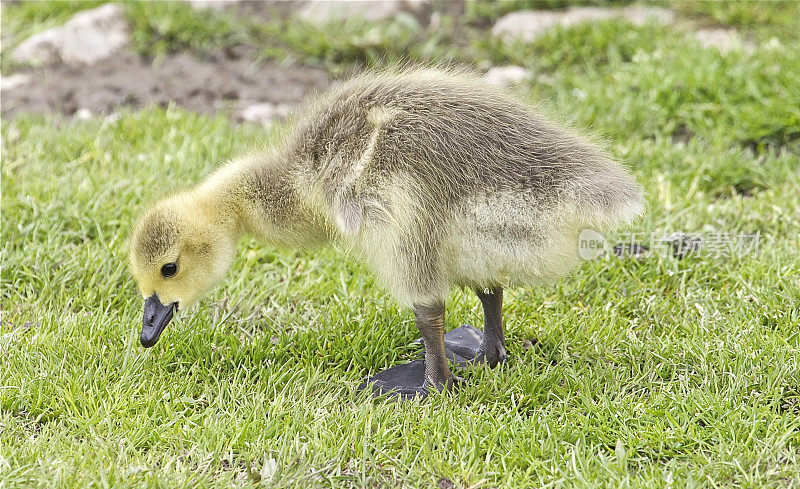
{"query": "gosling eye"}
(169, 270)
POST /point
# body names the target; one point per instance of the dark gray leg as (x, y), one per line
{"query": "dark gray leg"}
(493, 345)
(430, 321)
(474, 346)
(419, 377)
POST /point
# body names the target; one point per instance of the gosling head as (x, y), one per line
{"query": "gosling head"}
(178, 253)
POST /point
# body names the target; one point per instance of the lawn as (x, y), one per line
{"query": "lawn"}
(659, 372)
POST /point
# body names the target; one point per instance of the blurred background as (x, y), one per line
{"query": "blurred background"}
(255, 60)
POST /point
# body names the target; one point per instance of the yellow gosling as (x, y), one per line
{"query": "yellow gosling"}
(430, 177)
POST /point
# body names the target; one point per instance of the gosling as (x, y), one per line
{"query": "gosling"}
(431, 178)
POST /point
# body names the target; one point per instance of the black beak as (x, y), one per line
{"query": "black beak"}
(156, 317)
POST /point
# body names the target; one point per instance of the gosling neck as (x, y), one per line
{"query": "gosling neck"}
(256, 196)
(216, 200)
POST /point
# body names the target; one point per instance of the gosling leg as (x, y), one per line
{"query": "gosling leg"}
(417, 378)
(430, 321)
(474, 346)
(493, 345)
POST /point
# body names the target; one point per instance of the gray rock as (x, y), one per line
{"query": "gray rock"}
(577, 15)
(641, 15)
(11, 82)
(320, 12)
(525, 25)
(263, 113)
(84, 114)
(529, 25)
(43, 48)
(724, 40)
(89, 36)
(506, 75)
(211, 4)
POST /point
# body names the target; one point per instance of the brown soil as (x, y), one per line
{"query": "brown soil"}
(225, 82)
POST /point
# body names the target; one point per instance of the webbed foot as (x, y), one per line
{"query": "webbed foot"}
(493, 355)
(468, 345)
(406, 381)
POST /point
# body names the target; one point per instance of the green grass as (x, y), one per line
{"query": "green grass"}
(653, 373)
(762, 20)
(483, 11)
(161, 27)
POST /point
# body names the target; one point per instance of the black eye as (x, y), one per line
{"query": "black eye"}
(169, 269)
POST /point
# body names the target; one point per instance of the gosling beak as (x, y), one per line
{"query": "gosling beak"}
(156, 317)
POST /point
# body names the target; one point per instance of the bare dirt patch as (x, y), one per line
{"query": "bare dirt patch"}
(224, 82)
